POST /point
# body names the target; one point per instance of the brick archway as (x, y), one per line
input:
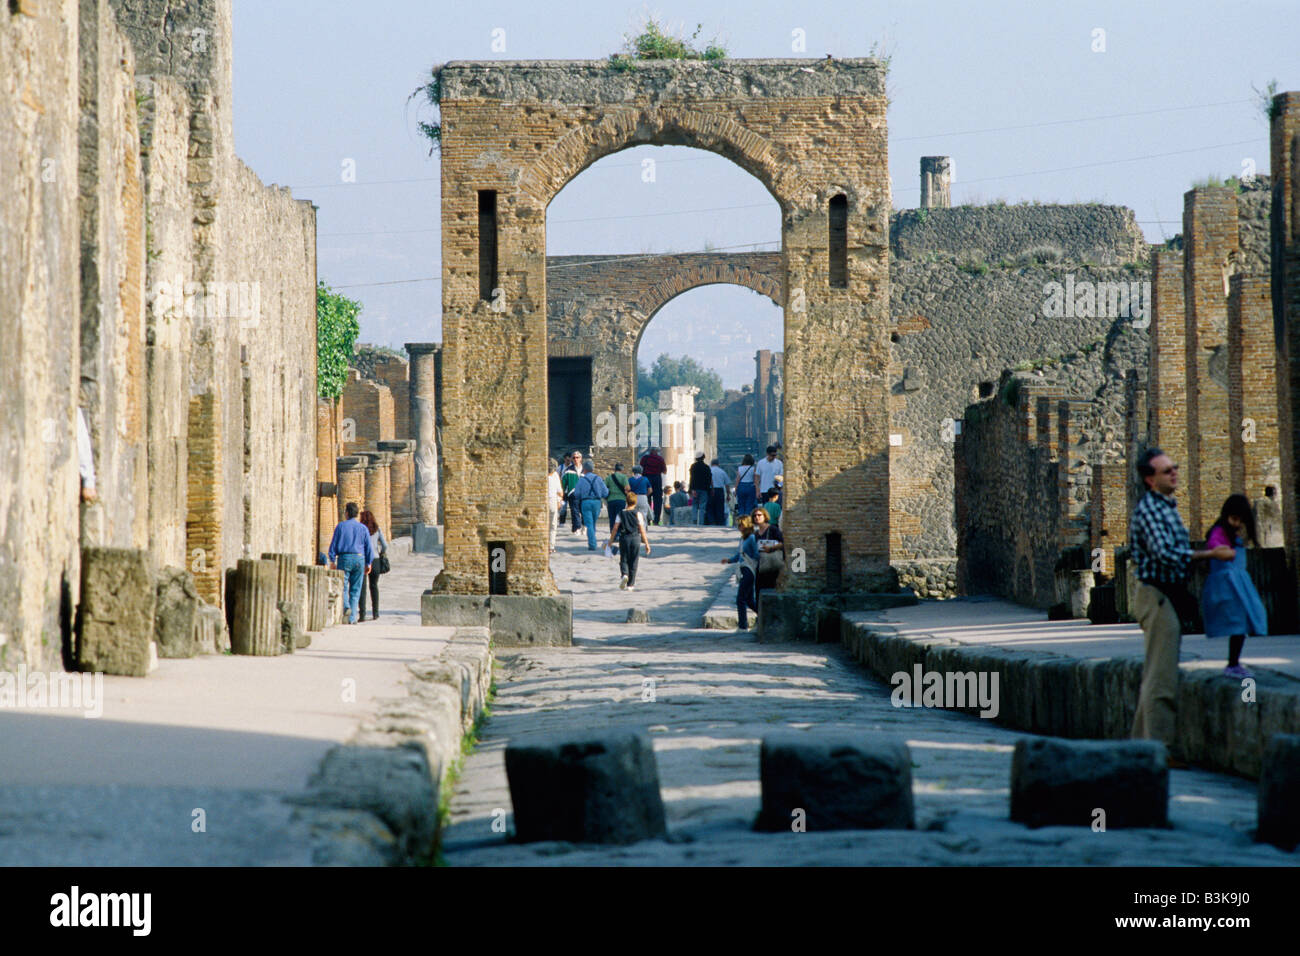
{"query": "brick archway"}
(514, 134)
(598, 308)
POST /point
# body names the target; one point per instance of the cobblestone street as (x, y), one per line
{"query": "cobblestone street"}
(707, 698)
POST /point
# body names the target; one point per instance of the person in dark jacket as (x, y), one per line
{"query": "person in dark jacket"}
(701, 488)
(654, 468)
(379, 544)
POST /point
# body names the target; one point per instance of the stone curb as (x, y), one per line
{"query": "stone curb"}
(374, 800)
(721, 615)
(1095, 698)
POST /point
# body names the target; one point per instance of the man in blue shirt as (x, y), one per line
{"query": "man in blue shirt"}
(590, 492)
(351, 553)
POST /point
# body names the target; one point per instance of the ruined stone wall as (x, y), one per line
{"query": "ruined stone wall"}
(811, 132)
(957, 326)
(1086, 233)
(1013, 492)
(39, 324)
(368, 413)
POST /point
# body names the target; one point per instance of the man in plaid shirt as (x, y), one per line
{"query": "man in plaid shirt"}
(1161, 554)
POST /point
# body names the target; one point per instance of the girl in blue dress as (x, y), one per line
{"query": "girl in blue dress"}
(1230, 604)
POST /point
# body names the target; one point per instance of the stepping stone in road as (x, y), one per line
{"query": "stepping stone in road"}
(819, 782)
(1057, 782)
(1279, 793)
(638, 615)
(594, 788)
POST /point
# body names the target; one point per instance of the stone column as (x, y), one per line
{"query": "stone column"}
(401, 485)
(377, 490)
(424, 425)
(286, 585)
(936, 182)
(1252, 387)
(256, 618)
(352, 482)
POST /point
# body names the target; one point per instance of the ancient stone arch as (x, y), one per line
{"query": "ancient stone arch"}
(598, 308)
(514, 133)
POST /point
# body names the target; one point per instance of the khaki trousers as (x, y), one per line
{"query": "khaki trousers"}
(553, 521)
(1157, 709)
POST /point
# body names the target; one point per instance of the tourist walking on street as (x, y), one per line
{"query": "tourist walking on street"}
(352, 553)
(765, 473)
(1161, 553)
(746, 490)
(772, 505)
(718, 496)
(640, 486)
(379, 547)
(654, 468)
(617, 483)
(679, 505)
(701, 485)
(590, 492)
(554, 501)
(1230, 604)
(629, 528)
(569, 483)
(747, 557)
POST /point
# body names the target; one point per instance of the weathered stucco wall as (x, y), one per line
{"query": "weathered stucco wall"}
(39, 325)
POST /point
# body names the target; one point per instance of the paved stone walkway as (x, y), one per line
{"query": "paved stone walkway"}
(231, 735)
(716, 693)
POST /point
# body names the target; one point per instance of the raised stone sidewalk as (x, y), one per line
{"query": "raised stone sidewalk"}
(239, 738)
(1075, 679)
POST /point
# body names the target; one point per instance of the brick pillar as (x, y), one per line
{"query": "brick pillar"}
(1284, 223)
(401, 485)
(204, 496)
(327, 452)
(423, 415)
(1108, 514)
(1046, 432)
(1072, 471)
(1210, 238)
(1167, 386)
(936, 182)
(378, 495)
(1252, 386)
(1137, 411)
(352, 482)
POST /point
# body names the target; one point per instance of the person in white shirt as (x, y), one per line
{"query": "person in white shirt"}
(554, 498)
(765, 472)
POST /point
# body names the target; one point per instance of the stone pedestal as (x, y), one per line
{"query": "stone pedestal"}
(318, 595)
(257, 623)
(115, 620)
(514, 620)
(426, 539)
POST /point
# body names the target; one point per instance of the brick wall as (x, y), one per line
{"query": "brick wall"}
(1285, 271)
(368, 414)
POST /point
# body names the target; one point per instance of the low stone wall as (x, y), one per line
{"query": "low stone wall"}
(1072, 697)
(374, 800)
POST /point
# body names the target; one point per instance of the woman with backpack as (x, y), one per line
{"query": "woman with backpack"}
(629, 529)
(1230, 604)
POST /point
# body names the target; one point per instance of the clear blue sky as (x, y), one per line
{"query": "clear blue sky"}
(319, 83)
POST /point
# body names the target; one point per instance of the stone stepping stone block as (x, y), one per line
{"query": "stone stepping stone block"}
(1279, 793)
(823, 782)
(638, 615)
(601, 787)
(1056, 782)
